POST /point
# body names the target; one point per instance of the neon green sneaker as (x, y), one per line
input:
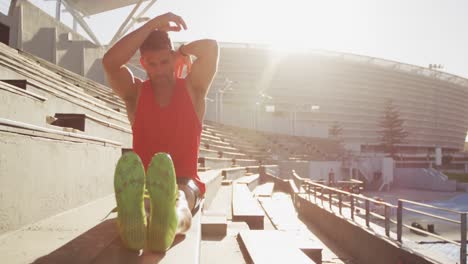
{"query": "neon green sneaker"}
(129, 186)
(162, 189)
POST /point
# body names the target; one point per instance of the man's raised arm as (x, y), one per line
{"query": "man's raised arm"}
(205, 66)
(119, 76)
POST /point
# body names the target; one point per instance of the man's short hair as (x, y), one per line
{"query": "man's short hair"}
(156, 40)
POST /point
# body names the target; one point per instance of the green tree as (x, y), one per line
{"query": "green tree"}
(392, 131)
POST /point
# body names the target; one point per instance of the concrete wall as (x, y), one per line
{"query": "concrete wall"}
(318, 170)
(421, 179)
(93, 68)
(315, 170)
(43, 36)
(462, 186)
(13, 23)
(41, 177)
(97, 129)
(301, 168)
(26, 108)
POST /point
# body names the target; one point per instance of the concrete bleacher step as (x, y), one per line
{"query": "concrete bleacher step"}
(55, 170)
(230, 174)
(267, 246)
(215, 163)
(264, 190)
(248, 147)
(206, 135)
(99, 244)
(14, 65)
(246, 208)
(252, 169)
(213, 224)
(29, 107)
(232, 155)
(30, 71)
(19, 83)
(208, 153)
(89, 86)
(223, 136)
(92, 125)
(62, 99)
(185, 249)
(220, 148)
(212, 180)
(81, 235)
(74, 236)
(283, 214)
(214, 142)
(251, 181)
(203, 169)
(245, 162)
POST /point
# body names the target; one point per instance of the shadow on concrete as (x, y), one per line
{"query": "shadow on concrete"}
(214, 238)
(96, 72)
(101, 244)
(42, 44)
(342, 255)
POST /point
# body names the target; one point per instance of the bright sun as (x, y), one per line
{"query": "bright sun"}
(295, 25)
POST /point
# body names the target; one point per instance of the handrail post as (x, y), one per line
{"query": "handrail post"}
(463, 238)
(387, 222)
(352, 207)
(399, 221)
(367, 213)
(339, 202)
(330, 199)
(322, 196)
(315, 194)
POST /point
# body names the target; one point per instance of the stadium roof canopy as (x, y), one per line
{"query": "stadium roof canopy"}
(82, 8)
(93, 7)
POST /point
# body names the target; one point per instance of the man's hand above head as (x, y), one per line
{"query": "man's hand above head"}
(168, 22)
(205, 66)
(182, 60)
(120, 77)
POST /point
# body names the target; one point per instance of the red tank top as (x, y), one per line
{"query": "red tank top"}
(174, 129)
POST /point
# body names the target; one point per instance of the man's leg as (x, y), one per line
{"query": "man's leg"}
(164, 215)
(183, 214)
(183, 208)
(187, 202)
(129, 185)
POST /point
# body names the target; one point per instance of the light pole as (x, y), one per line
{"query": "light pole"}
(262, 98)
(219, 98)
(257, 104)
(209, 100)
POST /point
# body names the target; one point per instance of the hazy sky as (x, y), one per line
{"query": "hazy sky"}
(419, 32)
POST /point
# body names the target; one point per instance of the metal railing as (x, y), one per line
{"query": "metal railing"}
(321, 193)
(462, 216)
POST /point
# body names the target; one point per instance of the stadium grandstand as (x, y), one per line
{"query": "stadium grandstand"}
(310, 91)
(281, 186)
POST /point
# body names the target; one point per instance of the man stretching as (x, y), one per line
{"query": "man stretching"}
(166, 113)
